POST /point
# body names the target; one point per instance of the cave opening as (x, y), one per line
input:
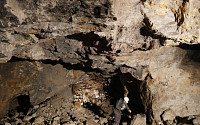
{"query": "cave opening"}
(24, 104)
(124, 84)
(132, 90)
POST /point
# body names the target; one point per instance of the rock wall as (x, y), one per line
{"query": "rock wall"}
(37, 80)
(172, 83)
(155, 41)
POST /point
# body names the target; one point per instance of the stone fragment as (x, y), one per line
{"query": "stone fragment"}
(82, 118)
(196, 121)
(72, 123)
(56, 121)
(140, 119)
(103, 120)
(36, 106)
(6, 123)
(91, 122)
(27, 118)
(168, 115)
(124, 123)
(19, 121)
(39, 120)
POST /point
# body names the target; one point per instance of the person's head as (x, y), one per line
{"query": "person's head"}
(126, 99)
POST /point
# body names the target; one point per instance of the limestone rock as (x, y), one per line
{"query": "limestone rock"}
(73, 123)
(196, 121)
(90, 122)
(36, 79)
(140, 119)
(165, 81)
(103, 120)
(7, 123)
(39, 120)
(173, 18)
(56, 121)
(27, 118)
(168, 115)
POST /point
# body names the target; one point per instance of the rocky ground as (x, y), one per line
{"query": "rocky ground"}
(63, 112)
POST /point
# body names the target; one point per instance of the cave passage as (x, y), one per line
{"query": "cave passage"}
(116, 91)
(132, 85)
(24, 103)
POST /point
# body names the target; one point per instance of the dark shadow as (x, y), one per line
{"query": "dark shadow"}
(32, 120)
(190, 47)
(133, 87)
(92, 40)
(86, 67)
(24, 104)
(126, 117)
(114, 90)
(2, 9)
(184, 120)
(194, 55)
(193, 51)
(94, 108)
(17, 59)
(147, 30)
(97, 12)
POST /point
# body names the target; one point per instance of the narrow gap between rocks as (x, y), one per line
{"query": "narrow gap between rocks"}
(190, 47)
(147, 31)
(92, 40)
(68, 66)
(193, 51)
(184, 120)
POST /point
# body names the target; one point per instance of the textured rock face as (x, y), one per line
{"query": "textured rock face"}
(177, 20)
(90, 90)
(172, 81)
(34, 79)
(147, 38)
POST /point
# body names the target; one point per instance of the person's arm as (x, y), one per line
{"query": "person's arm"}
(127, 107)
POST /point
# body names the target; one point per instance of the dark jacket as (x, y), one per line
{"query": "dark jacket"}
(120, 103)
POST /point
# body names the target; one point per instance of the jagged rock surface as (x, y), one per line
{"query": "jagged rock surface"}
(171, 78)
(149, 39)
(34, 79)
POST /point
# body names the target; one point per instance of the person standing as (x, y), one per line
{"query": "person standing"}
(121, 105)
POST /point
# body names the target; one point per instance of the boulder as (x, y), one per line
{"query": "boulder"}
(140, 119)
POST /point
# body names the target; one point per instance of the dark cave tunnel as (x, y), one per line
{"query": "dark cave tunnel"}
(116, 91)
(24, 103)
(21, 103)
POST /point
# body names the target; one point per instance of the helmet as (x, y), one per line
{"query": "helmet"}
(126, 99)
